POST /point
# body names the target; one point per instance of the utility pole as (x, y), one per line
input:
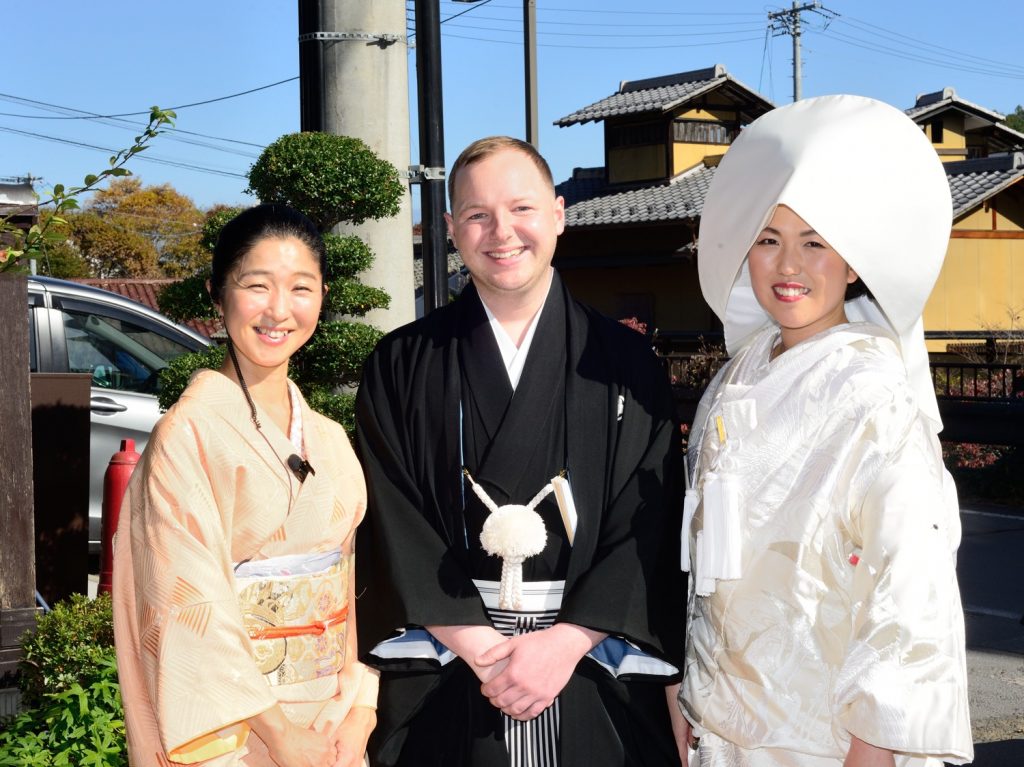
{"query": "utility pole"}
(530, 55)
(788, 22)
(354, 82)
(431, 170)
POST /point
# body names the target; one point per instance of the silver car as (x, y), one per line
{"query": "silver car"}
(123, 344)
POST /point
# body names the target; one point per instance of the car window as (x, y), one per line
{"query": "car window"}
(119, 354)
(33, 353)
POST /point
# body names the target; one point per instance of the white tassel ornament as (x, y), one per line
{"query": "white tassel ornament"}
(513, 532)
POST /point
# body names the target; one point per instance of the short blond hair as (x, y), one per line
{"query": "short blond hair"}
(485, 147)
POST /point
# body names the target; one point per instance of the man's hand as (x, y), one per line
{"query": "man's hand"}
(537, 666)
(469, 642)
(863, 754)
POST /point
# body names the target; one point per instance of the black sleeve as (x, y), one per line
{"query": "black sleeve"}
(406, 574)
(634, 588)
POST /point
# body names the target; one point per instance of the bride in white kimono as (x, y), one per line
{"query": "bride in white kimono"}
(821, 528)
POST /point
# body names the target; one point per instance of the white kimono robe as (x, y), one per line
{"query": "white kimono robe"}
(838, 613)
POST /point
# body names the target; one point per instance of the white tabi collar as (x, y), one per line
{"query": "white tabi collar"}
(515, 357)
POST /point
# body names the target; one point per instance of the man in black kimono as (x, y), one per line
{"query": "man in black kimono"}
(483, 403)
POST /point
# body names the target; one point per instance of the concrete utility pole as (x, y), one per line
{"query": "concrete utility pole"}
(354, 82)
(788, 22)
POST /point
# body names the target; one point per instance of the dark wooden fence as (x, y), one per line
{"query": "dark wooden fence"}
(978, 402)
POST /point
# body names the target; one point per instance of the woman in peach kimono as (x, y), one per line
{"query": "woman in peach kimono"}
(233, 598)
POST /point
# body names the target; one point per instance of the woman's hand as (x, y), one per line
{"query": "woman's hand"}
(289, 745)
(863, 754)
(681, 729)
(350, 738)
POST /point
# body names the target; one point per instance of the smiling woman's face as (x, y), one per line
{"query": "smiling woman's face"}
(798, 278)
(271, 302)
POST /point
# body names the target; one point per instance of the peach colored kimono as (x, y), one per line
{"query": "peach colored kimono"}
(211, 492)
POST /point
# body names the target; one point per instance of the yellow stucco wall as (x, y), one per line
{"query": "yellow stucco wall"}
(953, 136)
(685, 156)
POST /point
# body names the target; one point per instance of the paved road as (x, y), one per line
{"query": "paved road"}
(990, 568)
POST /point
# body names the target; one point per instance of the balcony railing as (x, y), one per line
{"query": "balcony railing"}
(978, 382)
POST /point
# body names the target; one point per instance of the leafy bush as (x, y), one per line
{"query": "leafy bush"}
(81, 725)
(354, 298)
(175, 377)
(329, 178)
(69, 678)
(69, 645)
(347, 255)
(338, 407)
(334, 355)
(187, 299)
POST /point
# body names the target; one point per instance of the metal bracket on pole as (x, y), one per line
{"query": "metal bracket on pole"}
(383, 40)
(420, 173)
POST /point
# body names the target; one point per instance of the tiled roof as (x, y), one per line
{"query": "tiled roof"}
(927, 103)
(145, 292)
(585, 184)
(679, 199)
(971, 182)
(657, 94)
(454, 265)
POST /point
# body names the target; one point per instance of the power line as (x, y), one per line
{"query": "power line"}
(746, 30)
(635, 12)
(117, 122)
(607, 47)
(945, 64)
(920, 44)
(147, 112)
(145, 157)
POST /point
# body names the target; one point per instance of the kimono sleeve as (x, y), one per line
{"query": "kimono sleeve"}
(903, 683)
(633, 587)
(405, 572)
(184, 658)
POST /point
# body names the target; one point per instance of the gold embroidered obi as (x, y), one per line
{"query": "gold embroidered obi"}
(295, 610)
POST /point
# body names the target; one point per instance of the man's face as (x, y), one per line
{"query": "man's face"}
(505, 221)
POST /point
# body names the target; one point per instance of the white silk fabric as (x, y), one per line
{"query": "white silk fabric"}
(845, 618)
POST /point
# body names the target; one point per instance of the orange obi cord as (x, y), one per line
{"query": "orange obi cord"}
(315, 628)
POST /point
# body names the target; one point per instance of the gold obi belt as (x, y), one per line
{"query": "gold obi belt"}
(295, 610)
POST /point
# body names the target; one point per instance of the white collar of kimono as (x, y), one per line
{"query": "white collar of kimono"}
(295, 427)
(514, 356)
(864, 176)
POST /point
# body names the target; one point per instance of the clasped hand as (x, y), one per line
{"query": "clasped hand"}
(523, 675)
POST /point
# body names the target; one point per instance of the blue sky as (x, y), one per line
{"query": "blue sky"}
(112, 57)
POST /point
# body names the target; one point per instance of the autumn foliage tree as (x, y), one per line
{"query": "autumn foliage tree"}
(130, 230)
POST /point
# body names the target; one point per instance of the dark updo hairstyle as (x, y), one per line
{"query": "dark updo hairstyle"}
(856, 289)
(250, 227)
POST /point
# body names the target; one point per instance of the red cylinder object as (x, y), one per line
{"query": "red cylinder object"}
(115, 481)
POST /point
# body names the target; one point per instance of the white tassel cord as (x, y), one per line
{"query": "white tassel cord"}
(512, 532)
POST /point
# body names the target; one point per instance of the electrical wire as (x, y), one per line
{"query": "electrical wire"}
(645, 35)
(174, 109)
(882, 32)
(607, 47)
(945, 64)
(143, 156)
